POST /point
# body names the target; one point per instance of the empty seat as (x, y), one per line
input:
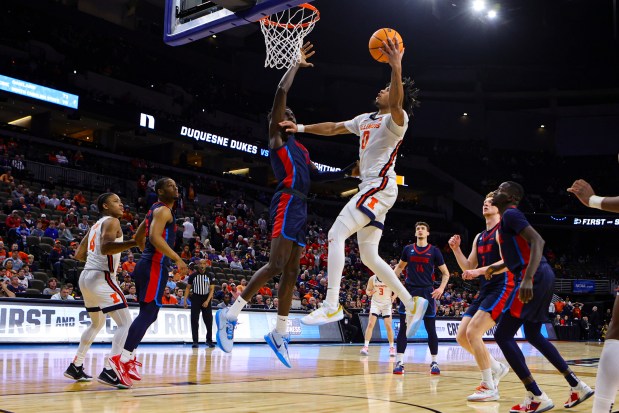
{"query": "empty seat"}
(47, 240)
(38, 285)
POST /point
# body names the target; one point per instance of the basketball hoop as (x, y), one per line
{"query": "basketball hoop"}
(284, 33)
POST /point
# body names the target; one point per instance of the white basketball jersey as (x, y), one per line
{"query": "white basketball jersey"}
(379, 140)
(94, 259)
(382, 293)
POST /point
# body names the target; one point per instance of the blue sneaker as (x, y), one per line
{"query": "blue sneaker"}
(399, 368)
(225, 330)
(279, 344)
(434, 368)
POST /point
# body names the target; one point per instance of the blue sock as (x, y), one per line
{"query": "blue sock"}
(430, 325)
(137, 331)
(532, 332)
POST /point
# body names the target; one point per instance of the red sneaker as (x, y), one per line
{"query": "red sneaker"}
(121, 370)
(132, 371)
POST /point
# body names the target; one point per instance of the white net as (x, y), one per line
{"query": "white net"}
(284, 33)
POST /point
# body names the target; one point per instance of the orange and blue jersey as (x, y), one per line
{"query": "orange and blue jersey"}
(151, 271)
(516, 253)
(291, 166)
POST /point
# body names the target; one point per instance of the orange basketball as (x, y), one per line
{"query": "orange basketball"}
(377, 39)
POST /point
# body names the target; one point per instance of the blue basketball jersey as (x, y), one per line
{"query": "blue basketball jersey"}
(420, 264)
(291, 166)
(169, 235)
(515, 249)
(488, 253)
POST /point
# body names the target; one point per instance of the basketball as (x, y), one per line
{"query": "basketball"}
(376, 42)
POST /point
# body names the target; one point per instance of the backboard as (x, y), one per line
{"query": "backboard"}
(190, 20)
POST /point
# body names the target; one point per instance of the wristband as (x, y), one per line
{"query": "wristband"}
(596, 201)
(300, 128)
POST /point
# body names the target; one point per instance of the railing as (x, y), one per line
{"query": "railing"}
(80, 179)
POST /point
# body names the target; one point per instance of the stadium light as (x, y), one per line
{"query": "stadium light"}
(479, 5)
(492, 14)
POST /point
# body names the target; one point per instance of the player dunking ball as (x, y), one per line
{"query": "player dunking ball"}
(294, 170)
(420, 259)
(607, 380)
(151, 275)
(381, 135)
(101, 248)
(381, 306)
(521, 249)
(485, 311)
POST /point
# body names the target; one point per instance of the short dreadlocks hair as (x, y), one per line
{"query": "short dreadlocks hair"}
(410, 95)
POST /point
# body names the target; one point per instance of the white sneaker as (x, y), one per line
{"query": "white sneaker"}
(533, 404)
(578, 395)
(323, 315)
(364, 351)
(391, 351)
(225, 330)
(483, 394)
(415, 315)
(279, 344)
(540, 404)
(499, 374)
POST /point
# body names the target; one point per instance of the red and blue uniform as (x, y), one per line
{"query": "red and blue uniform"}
(291, 166)
(516, 254)
(419, 280)
(151, 271)
(493, 293)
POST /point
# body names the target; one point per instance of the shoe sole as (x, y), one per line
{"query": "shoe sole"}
(487, 399)
(398, 373)
(552, 406)
(117, 385)
(271, 344)
(588, 395)
(435, 374)
(68, 376)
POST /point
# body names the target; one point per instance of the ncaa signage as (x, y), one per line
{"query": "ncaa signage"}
(147, 121)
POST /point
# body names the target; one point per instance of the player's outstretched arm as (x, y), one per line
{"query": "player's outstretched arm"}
(109, 231)
(324, 129)
(464, 262)
(585, 194)
(279, 103)
(396, 89)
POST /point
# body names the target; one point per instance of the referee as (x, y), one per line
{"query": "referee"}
(201, 298)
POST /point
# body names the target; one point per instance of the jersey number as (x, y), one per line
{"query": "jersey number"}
(419, 268)
(91, 246)
(364, 139)
(381, 291)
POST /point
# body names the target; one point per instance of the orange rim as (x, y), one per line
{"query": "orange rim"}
(267, 21)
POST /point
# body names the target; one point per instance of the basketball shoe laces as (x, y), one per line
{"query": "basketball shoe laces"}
(230, 326)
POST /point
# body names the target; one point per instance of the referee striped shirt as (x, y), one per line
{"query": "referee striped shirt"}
(200, 283)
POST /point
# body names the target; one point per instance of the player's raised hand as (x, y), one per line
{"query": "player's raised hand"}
(306, 53)
(454, 242)
(526, 290)
(288, 126)
(582, 190)
(391, 49)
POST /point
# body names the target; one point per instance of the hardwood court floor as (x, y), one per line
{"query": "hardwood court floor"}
(324, 378)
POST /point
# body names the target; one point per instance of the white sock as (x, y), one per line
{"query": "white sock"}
(433, 358)
(391, 344)
(607, 381)
(367, 343)
(486, 377)
(494, 364)
(282, 324)
(235, 310)
(399, 358)
(125, 356)
(335, 266)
